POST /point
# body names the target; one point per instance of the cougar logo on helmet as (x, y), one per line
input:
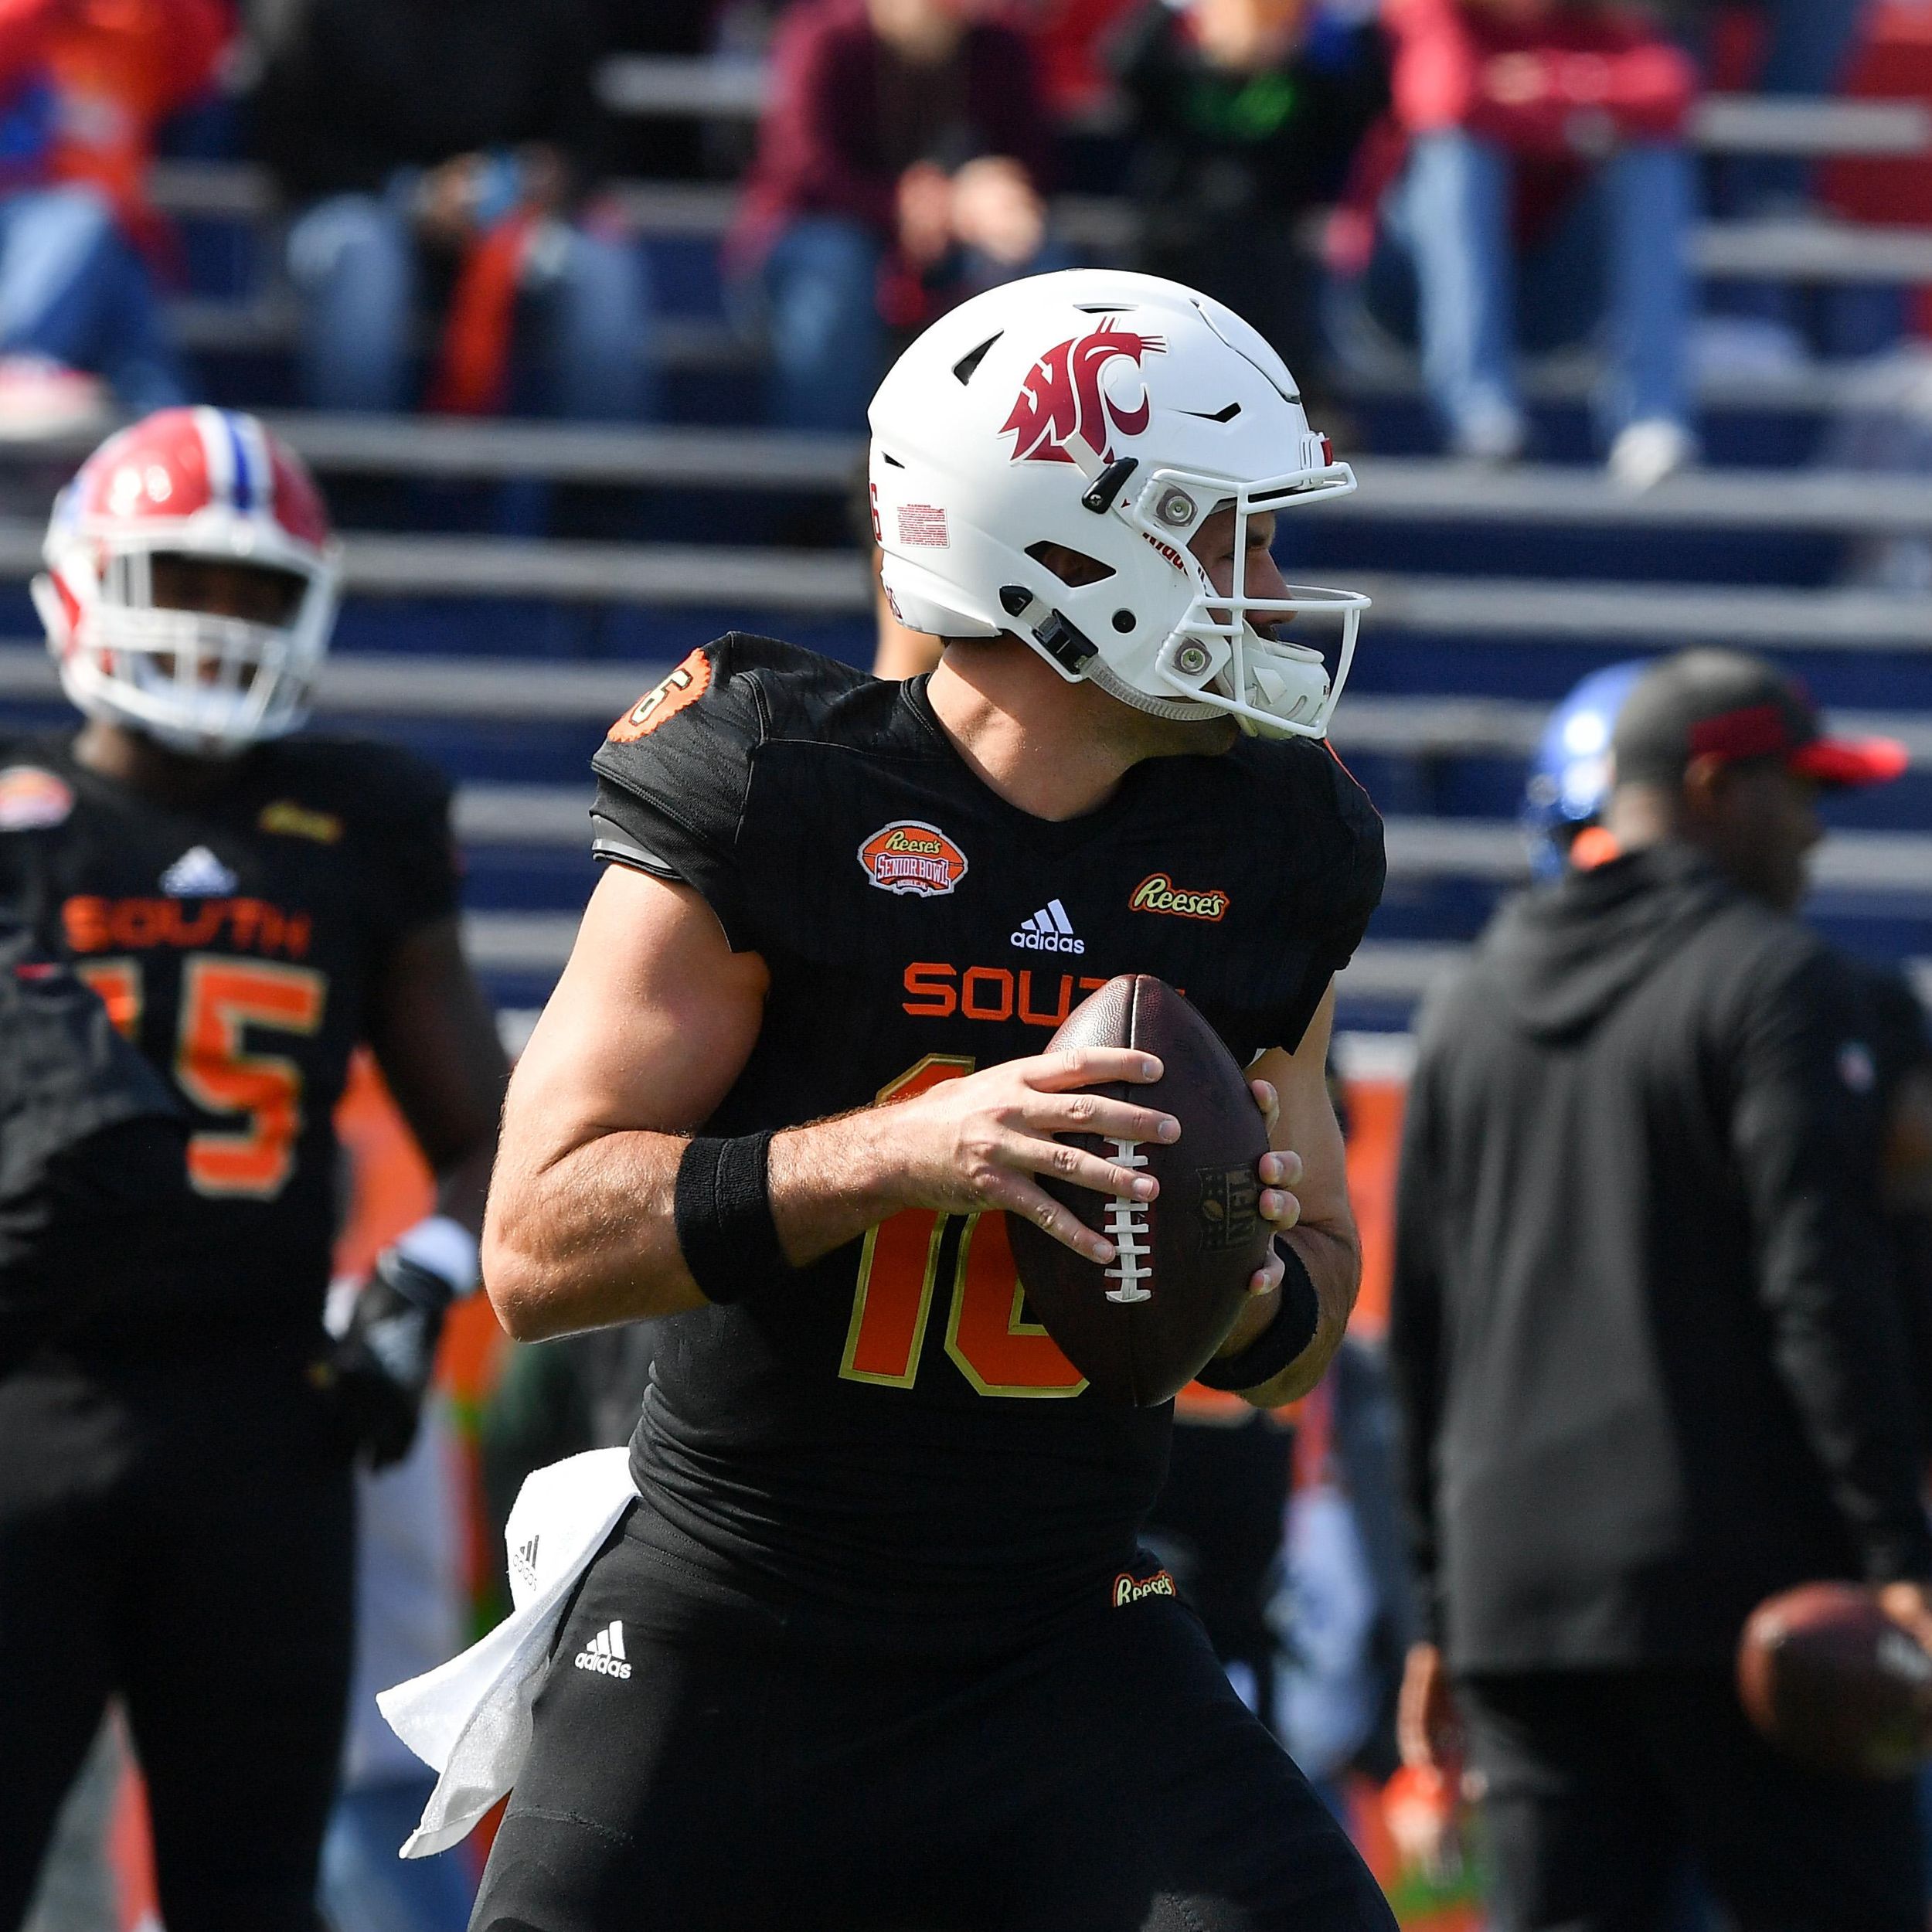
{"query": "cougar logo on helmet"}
(1063, 395)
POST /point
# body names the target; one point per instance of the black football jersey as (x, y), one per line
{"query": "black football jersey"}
(236, 940)
(889, 1433)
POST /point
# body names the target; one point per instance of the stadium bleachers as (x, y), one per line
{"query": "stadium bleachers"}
(504, 653)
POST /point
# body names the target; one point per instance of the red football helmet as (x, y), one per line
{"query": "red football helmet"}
(210, 486)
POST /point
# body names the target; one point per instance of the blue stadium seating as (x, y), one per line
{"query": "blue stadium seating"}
(1449, 683)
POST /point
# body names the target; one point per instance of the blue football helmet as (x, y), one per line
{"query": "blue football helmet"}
(1569, 774)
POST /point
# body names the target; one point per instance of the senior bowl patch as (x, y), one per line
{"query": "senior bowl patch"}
(31, 799)
(910, 855)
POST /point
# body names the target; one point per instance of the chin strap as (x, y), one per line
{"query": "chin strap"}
(1186, 710)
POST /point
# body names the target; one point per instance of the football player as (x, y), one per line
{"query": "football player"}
(875, 1646)
(176, 1506)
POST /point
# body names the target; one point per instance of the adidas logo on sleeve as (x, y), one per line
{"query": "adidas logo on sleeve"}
(604, 1653)
(1050, 930)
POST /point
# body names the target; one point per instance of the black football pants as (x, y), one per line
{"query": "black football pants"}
(182, 1537)
(1106, 1781)
(1600, 1783)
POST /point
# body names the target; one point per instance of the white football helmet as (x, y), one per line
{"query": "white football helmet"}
(205, 484)
(1112, 413)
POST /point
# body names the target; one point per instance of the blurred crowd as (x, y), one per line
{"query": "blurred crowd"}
(1460, 184)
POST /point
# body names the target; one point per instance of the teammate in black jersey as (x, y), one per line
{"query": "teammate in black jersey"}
(175, 1443)
(875, 1647)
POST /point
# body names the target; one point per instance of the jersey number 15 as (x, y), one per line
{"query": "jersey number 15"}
(221, 998)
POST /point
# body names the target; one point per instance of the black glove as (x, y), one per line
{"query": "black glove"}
(377, 1372)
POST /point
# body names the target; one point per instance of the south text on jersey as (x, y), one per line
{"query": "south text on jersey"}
(98, 925)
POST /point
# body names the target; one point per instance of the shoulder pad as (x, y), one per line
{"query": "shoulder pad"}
(706, 716)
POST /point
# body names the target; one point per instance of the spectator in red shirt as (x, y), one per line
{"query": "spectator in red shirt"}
(1544, 193)
(898, 171)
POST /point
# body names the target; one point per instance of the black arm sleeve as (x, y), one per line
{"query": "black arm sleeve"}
(1415, 1347)
(672, 778)
(1803, 1131)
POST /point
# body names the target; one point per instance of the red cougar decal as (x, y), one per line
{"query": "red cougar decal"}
(1063, 395)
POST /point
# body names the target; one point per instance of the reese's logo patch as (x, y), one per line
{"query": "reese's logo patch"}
(685, 686)
(1129, 1588)
(1159, 893)
(910, 855)
(293, 821)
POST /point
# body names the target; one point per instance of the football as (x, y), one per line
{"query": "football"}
(1836, 1684)
(1140, 1328)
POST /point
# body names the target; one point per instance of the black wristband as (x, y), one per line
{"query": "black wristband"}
(1284, 1337)
(723, 1216)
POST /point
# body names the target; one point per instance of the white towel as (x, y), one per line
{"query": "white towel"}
(469, 1720)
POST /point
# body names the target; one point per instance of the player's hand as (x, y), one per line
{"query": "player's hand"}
(380, 1368)
(977, 1142)
(1278, 1170)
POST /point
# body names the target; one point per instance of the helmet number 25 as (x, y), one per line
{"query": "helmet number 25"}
(991, 1343)
(222, 998)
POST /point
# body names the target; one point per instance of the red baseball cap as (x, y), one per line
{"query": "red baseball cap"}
(1729, 705)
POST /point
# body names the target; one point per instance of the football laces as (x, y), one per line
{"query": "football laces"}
(1126, 1228)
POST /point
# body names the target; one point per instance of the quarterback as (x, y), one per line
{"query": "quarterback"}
(176, 1435)
(875, 1646)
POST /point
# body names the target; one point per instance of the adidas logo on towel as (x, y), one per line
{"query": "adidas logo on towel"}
(604, 1653)
(1050, 930)
(525, 1559)
(198, 874)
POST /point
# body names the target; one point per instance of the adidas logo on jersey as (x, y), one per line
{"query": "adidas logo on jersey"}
(604, 1653)
(198, 874)
(1050, 930)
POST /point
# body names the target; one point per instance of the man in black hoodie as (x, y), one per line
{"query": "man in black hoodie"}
(1648, 1359)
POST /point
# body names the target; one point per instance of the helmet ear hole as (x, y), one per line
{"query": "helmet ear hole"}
(1074, 568)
